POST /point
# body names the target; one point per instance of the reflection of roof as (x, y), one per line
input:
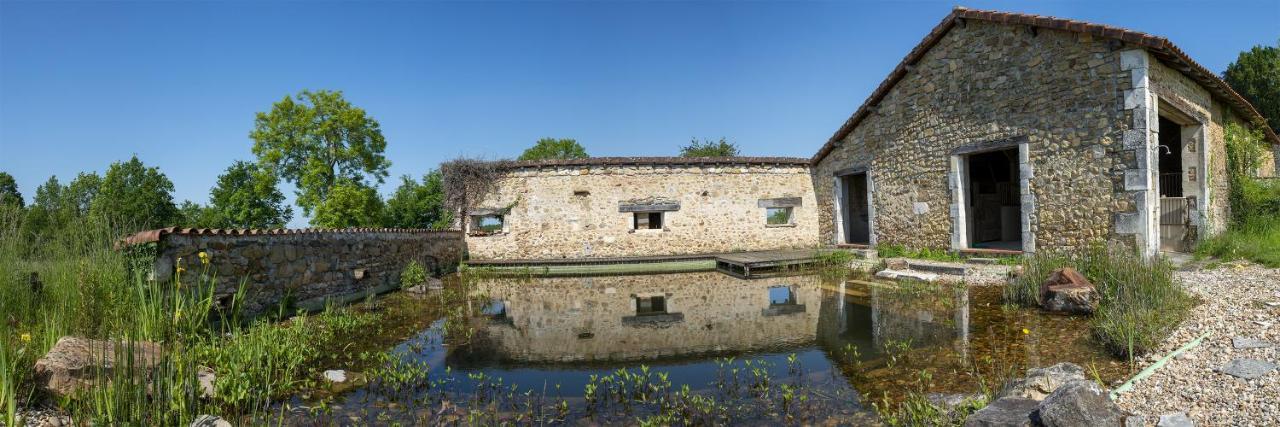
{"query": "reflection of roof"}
(662, 161)
(149, 236)
(1160, 47)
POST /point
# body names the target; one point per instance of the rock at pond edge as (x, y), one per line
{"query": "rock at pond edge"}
(1079, 403)
(74, 363)
(1004, 412)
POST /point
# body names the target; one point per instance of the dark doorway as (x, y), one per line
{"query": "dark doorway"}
(994, 211)
(856, 210)
(1170, 158)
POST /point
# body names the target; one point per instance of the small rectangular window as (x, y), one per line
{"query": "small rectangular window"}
(486, 224)
(647, 221)
(777, 216)
(781, 295)
(653, 305)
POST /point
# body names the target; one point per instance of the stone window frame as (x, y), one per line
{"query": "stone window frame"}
(649, 206)
(476, 215)
(957, 178)
(788, 203)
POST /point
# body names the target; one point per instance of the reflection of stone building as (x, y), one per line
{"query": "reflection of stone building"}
(872, 317)
(624, 318)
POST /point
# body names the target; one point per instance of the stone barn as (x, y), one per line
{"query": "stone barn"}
(1010, 132)
(999, 133)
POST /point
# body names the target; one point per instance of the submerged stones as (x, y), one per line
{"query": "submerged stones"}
(209, 421)
(75, 363)
(1068, 291)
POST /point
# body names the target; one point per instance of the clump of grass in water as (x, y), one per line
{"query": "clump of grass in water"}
(1140, 303)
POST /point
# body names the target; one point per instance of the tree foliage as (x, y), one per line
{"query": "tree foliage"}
(134, 195)
(417, 205)
(247, 196)
(350, 204)
(708, 148)
(9, 194)
(318, 140)
(554, 149)
(1256, 76)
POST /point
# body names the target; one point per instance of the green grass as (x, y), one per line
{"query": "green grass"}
(1140, 304)
(1256, 240)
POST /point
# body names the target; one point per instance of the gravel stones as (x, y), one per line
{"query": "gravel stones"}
(1248, 369)
(1232, 298)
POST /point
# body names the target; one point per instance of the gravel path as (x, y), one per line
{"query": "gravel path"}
(1235, 305)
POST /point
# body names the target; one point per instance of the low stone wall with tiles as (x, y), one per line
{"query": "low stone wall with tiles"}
(587, 210)
(301, 266)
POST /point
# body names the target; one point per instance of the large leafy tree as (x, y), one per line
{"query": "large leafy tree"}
(349, 204)
(247, 196)
(417, 205)
(318, 140)
(1256, 76)
(709, 148)
(9, 194)
(195, 215)
(132, 194)
(78, 196)
(554, 149)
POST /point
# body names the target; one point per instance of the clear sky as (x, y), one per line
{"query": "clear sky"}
(83, 84)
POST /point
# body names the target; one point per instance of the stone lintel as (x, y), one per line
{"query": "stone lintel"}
(648, 207)
(780, 202)
(993, 145)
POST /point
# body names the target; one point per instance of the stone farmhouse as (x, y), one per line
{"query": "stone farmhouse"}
(999, 132)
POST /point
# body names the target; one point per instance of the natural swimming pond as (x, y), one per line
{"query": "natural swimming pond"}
(704, 347)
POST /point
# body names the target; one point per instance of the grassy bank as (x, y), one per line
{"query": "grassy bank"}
(1256, 240)
(87, 289)
(1140, 304)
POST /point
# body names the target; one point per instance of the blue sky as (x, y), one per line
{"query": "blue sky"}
(83, 84)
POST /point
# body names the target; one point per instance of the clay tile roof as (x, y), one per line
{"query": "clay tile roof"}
(150, 236)
(662, 161)
(1160, 47)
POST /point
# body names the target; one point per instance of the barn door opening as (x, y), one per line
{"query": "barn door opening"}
(856, 212)
(1175, 202)
(993, 209)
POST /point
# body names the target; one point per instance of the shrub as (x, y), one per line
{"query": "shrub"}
(1141, 303)
(1254, 232)
(413, 274)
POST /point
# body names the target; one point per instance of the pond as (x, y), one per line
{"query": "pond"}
(704, 346)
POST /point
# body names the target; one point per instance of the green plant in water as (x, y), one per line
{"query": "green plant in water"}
(413, 274)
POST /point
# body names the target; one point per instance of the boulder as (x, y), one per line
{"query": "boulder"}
(1068, 291)
(335, 376)
(210, 421)
(1079, 403)
(75, 363)
(1041, 382)
(1004, 412)
(206, 378)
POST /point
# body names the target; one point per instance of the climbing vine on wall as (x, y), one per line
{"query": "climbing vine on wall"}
(469, 181)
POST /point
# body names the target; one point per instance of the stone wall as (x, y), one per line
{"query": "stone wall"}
(595, 319)
(1058, 92)
(582, 211)
(302, 266)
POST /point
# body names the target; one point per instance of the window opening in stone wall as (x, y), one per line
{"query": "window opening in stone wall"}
(651, 305)
(994, 211)
(855, 210)
(647, 221)
(781, 295)
(486, 224)
(778, 216)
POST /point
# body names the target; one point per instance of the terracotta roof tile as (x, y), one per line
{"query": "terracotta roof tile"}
(1164, 49)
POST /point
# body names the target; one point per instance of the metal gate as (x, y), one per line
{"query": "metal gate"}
(1175, 223)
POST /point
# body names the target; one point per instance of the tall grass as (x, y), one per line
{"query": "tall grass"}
(1256, 240)
(93, 291)
(1140, 305)
(1254, 231)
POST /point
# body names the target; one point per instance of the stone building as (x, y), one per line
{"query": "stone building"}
(998, 132)
(1018, 132)
(635, 206)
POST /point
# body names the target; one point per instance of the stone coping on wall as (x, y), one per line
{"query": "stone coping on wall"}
(661, 161)
(1160, 47)
(151, 236)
